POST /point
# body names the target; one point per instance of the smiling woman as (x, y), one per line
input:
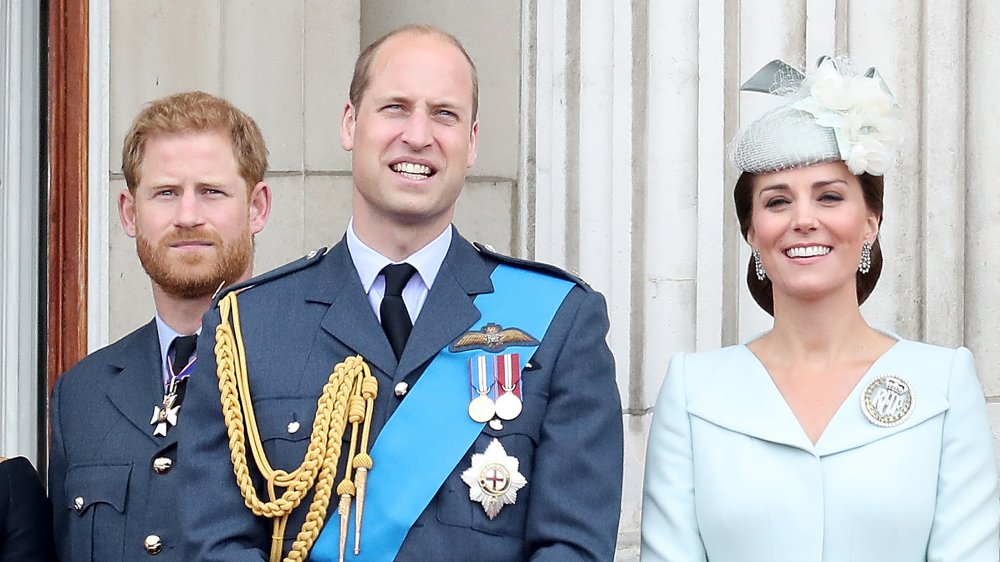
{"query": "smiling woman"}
(872, 188)
(765, 451)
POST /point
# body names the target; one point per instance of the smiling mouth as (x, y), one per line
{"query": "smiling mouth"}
(807, 251)
(412, 170)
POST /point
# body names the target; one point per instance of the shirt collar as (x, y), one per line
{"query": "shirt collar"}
(166, 335)
(369, 263)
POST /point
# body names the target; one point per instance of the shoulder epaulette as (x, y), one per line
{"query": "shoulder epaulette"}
(542, 267)
(308, 260)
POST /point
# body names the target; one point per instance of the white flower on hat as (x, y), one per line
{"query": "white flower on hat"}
(864, 116)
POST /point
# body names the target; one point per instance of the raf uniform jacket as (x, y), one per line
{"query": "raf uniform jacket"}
(732, 477)
(299, 322)
(109, 502)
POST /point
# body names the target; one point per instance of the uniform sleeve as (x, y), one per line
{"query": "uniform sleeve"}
(576, 499)
(669, 524)
(967, 515)
(215, 524)
(28, 529)
(57, 475)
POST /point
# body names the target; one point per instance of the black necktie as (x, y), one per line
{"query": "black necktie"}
(182, 348)
(395, 318)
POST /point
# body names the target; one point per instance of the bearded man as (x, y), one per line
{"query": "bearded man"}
(194, 165)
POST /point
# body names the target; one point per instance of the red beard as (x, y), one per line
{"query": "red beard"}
(191, 275)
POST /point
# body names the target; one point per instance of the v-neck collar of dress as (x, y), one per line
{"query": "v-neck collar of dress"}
(744, 398)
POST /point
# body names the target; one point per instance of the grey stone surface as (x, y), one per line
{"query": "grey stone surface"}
(159, 47)
(262, 72)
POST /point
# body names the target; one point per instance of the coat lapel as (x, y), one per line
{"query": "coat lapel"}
(738, 394)
(350, 318)
(849, 427)
(447, 312)
(449, 309)
(137, 387)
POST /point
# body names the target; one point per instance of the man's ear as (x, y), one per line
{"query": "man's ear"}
(126, 211)
(260, 207)
(473, 143)
(347, 122)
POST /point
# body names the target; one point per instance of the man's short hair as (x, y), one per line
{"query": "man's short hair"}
(195, 112)
(362, 67)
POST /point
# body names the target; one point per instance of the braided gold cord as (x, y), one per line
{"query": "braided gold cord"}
(336, 407)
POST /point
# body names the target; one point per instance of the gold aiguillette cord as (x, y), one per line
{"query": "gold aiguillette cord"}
(347, 397)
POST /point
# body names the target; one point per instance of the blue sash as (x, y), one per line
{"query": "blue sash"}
(430, 432)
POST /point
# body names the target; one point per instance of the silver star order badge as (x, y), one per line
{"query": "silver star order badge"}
(493, 479)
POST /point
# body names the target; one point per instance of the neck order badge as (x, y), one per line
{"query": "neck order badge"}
(181, 361)
(439, 405)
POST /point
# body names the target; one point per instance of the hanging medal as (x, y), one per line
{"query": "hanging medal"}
(165, 415)
(508, 388)
(481, 407)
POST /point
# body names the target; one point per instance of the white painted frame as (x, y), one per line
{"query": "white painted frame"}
(20, 244)
(98, 176)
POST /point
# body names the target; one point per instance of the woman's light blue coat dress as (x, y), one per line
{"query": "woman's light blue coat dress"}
(732, 477)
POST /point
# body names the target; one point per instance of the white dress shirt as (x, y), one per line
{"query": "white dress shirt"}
(369, 264)
(167, 335)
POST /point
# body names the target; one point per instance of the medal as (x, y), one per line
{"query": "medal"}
(508, 404)
(165, 415)
(887, 401)
(481, 407)
(493, 479)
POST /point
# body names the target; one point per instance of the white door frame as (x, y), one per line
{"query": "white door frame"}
(21, 378)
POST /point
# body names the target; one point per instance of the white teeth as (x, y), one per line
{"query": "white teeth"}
(807, 251)
(410, 169)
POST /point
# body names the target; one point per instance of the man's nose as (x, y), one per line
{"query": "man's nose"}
(417, 130)
(189, 209)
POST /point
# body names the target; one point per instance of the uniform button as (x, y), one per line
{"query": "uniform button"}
(401, 389)
(161, 465)
(153, 544)
(78, 504)
(293, 426)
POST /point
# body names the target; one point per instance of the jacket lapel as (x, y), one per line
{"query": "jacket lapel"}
(449, 309)
(350, 318)
(849, 427)
(447, 312)
(137, 387)
(740, 396)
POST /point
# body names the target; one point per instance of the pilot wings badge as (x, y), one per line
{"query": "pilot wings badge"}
(493, 338)
(493, 479)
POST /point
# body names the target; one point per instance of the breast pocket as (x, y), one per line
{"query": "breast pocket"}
(285, 426)
(519, 438)
(96, 498)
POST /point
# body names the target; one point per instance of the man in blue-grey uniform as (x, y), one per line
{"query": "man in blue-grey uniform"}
(496, 431)
(194, 168)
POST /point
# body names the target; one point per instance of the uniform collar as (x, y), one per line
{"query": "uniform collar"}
(369, 263)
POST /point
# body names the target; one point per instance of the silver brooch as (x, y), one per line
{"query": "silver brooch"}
(887, 401)
(494, 479)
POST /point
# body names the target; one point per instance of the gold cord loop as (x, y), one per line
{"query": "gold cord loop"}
(347, 397)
